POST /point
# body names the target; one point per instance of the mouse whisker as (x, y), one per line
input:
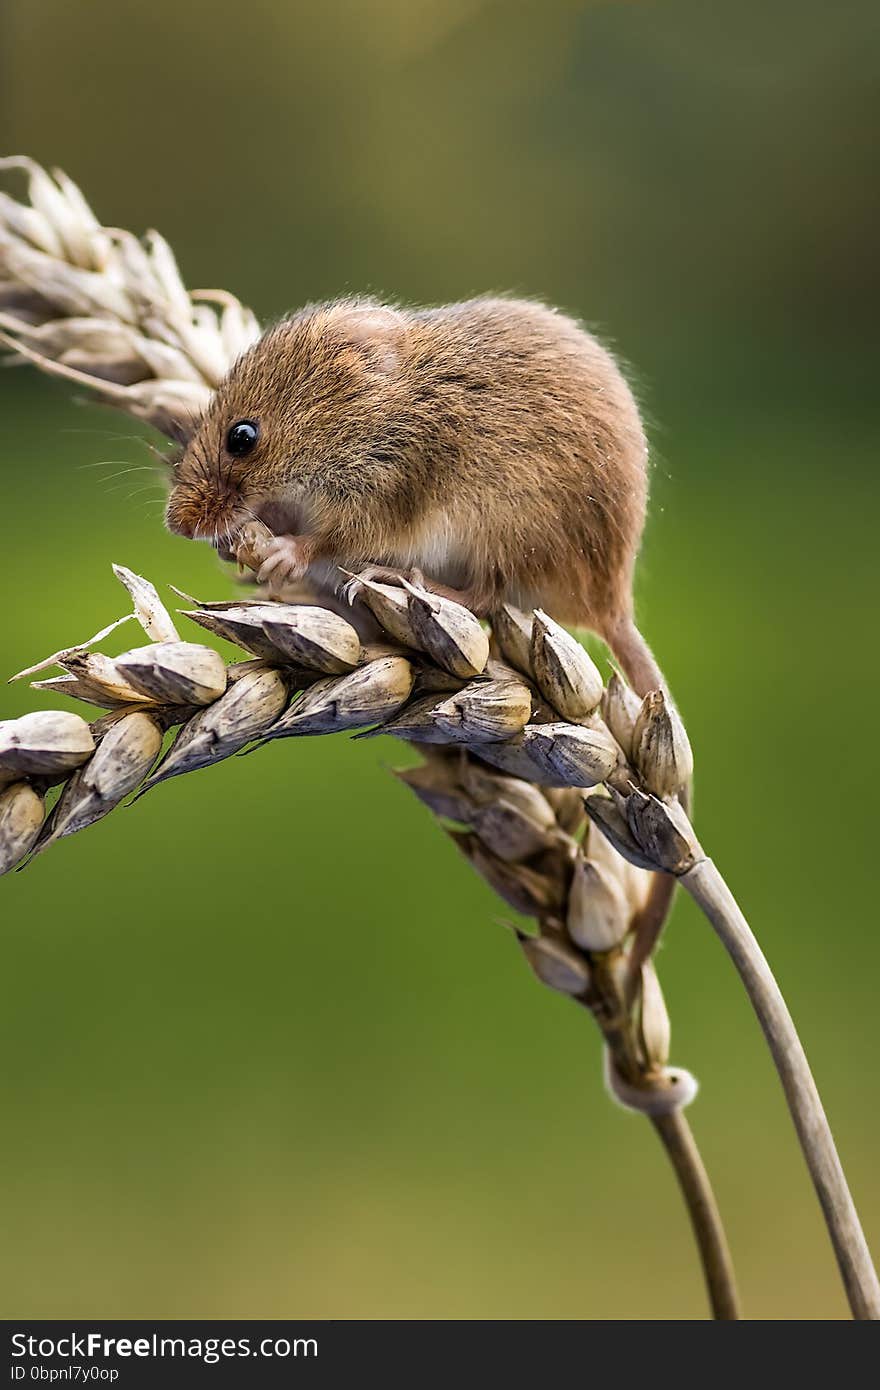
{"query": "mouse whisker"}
(137, 492)
(252, 515)
(124, 472)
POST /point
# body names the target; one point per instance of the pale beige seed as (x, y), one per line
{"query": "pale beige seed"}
(608, 814)
(620, 709)
(512, 629)
(635, 883)
(654, 1026)
(449, 633)
(100, 675)
(165, 716)
(389, 605)
(164, 404)
(368, 696)
(29, 225)
(416, 721)
(485, 711)
(45, 743)
(460, 788)
(162, 360)
(245, 668)
(246, 711)
(574, 755)
(598, 912)
(567, 806)
(661, 749)
(101, 338)
(82, 342)
(486, 786)
(436, 784)
(78, 688)
(372, 651)
(132, 264)
(299, 631)
(21, 817)
(500, 670)
(430, 679)
(163, 264)
(149, 609)
(239, 623)
(120, 763)
(60, 205)
(527, 891)
(556, 965)
(513, 757)
(296, 677)
(663, 833)
(177, 673)
(566, 675)
(509, 833)
(315, 637)
(71, 288)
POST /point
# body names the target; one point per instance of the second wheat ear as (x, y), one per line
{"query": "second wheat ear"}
(100, 308)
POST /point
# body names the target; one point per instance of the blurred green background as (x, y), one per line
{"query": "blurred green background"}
(265, 1051)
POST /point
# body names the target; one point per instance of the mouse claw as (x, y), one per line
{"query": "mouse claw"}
(353, 588)
(385, 574)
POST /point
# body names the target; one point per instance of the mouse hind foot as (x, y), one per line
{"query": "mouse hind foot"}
(384, 574)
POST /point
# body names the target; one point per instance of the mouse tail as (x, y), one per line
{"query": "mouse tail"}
(639, 665)
(634, 656)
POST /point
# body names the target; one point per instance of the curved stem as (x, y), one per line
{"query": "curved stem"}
(679, 1142)
(609, 1010)
(710, 892)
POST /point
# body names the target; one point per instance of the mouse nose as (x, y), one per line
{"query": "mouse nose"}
(180, 516)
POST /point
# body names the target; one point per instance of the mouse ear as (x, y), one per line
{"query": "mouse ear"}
(179, 428)
(377, 331)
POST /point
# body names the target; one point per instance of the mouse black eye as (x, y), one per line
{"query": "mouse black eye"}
(242, 437)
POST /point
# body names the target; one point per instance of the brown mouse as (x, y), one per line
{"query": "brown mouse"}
(493, 444)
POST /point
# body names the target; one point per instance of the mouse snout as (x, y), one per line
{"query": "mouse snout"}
(179, 519)
(200, 515)
(184, 512)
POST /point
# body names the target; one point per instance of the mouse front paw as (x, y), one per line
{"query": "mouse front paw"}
(287, 558)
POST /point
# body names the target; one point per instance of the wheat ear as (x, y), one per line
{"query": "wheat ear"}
(503, 772)
(107, 310)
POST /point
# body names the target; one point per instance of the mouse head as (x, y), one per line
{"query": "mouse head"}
(301, 410)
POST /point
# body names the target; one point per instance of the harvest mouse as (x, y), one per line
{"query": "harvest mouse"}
(492, 444)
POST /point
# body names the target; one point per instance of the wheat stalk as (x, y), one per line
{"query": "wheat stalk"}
(524, 745)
